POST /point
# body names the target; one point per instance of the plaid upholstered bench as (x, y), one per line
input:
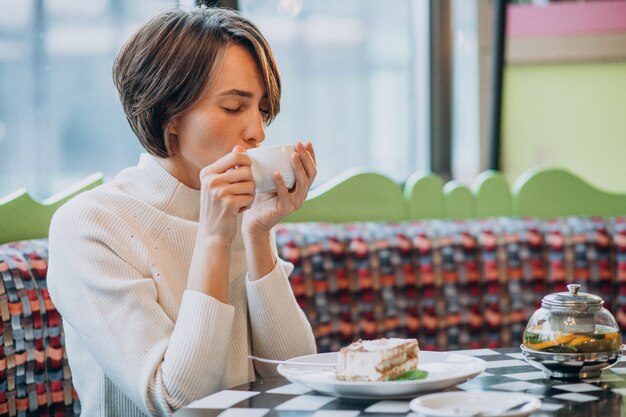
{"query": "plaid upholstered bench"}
(451, 284)
(35, 378)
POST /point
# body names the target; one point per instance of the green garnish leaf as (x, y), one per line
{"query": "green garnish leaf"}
(412, 375)
(561, 349)
(532, 338)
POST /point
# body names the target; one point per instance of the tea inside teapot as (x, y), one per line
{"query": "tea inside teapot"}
(572, 322)
(603, 339)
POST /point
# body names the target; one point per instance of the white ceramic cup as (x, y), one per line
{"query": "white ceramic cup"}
(269, 159)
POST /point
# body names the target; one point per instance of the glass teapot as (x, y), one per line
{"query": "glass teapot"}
(572, 322)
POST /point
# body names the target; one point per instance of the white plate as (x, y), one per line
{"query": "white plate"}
(460, 404)
(444, 370)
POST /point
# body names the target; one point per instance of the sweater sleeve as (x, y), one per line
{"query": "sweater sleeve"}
(280, 329)
(113, 310)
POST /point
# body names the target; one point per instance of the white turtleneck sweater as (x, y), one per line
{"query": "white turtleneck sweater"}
(137, 341)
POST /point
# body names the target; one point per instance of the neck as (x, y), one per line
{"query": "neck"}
(182, 171)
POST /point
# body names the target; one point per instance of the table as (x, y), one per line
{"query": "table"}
(506, 371)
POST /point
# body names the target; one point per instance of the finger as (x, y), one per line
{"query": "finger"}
(298, 169)
(308, 161)
(229, 161)
(223, 185)
(240, 174)
(240, 188)
(302, 177)
(233, 197)
(309, 147)
(238, 149)
(238, 203)
(281, 188)
(290, 200)
(299, 192)
(247, 203)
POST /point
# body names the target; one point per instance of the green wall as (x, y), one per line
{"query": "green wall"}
(571, 116)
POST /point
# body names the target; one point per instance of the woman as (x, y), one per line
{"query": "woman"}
(167, 277)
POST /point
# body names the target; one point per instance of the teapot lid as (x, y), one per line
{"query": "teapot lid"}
(572, 300)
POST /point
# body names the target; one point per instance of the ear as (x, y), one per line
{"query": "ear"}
(171, 137)
(172, 127)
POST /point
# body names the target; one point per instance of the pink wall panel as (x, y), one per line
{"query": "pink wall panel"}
(567, 18)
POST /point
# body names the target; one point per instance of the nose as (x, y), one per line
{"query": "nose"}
(255, 127)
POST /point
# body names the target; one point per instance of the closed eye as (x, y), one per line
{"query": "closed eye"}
(264, 108)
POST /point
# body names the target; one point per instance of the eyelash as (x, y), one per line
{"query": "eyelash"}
(266, 113)
(228, 110)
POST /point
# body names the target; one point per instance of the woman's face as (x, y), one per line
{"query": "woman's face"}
(231, 111)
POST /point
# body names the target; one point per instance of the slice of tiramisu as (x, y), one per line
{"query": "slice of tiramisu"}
(377, 360)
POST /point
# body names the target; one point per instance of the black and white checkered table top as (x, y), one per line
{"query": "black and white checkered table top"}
(506, 371)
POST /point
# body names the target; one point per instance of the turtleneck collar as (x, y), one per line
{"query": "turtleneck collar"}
(150, 182)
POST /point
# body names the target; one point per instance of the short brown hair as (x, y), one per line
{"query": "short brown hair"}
(163, 68)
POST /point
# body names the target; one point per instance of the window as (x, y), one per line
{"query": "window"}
(352, 78)
(351, 70)
(60, 118)
(469, 59)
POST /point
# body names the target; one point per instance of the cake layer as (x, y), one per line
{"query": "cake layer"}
(377, 360)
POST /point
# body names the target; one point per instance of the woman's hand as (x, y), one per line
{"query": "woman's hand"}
(226, 189)
(269, 208)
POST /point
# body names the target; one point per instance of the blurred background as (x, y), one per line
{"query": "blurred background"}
(395, 86)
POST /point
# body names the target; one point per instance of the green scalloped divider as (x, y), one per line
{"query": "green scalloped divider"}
(366, 196)
(424, 196)
(492, 195)
(353, 196)
(458, 201)
(554, 192)
(23, 218)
